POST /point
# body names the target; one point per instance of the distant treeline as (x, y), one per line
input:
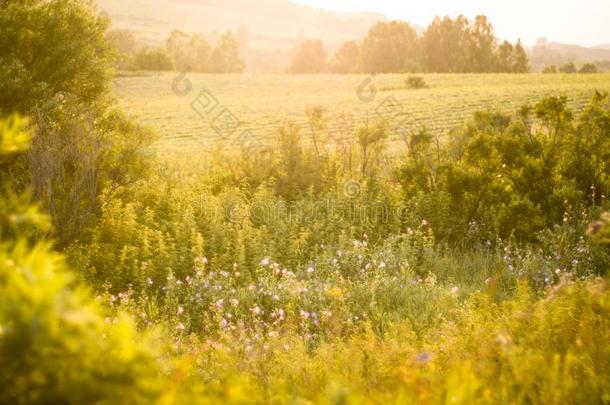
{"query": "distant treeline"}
(571, 68)
(447, 46)
(182, 52)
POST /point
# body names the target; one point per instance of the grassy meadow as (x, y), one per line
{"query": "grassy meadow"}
(263, 103)
(298, 239)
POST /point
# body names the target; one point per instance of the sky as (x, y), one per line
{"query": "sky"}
(583, 22)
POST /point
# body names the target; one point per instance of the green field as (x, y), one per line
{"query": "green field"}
(262, 103)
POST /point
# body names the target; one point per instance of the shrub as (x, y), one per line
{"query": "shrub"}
(416, 82)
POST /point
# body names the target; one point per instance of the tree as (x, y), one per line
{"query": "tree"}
(482, 45)
(520, 61)
(125, 44)
(199, 56)
(550, 69)
(155, 59)
(310, 58)
(177, 46)
(189, 53)
(568, 68)
(588, 68)
(346, 58)
(225, 57)
(55, 66)
(446, 44)
(49, 49)
(504, 57)
(390, 47)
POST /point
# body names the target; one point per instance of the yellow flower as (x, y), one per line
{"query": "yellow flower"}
(335, 293)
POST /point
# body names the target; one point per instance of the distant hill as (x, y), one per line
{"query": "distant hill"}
(546, 53)
(268, 30)
(273, 23)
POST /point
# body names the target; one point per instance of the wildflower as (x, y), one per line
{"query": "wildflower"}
(305, 315)
(424, 222)
(265, 262)
(180, 327)
(180, 310)
(335, 293)
(455, 290)
(256, 311)
(220, 303)
(382, 265)
(423, 357)
(234, 302)
(223, 323)
(310, 270)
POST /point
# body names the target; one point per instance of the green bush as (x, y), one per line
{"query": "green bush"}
(416, 82)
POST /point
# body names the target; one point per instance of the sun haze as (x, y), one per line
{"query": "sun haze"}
(584, 22)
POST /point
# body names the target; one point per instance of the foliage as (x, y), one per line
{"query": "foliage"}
(56, 68)
(310, 58)
(589, 68)
(568, 68)
(225, 56)
(327, 269)
(510, 176)
(416, 82)
(153, 59)
(463, 46)
(54, 343)
(390, 47)
(346, 58)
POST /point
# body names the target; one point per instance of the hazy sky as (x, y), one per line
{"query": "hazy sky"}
(585, 22)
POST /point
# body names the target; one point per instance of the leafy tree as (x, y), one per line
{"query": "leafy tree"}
(460, 46)
(482, 45)
(310, 58)
(55, 65)
(568, 68)
(155, 59)
(520, 60)
(504, 57)
(588, 68)
(346, 58)
(550, 69)
(225, 56)
(125, 44)
(189, 53)
(177, 46)
(51, 49)
(390, 47)
(445, 45)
